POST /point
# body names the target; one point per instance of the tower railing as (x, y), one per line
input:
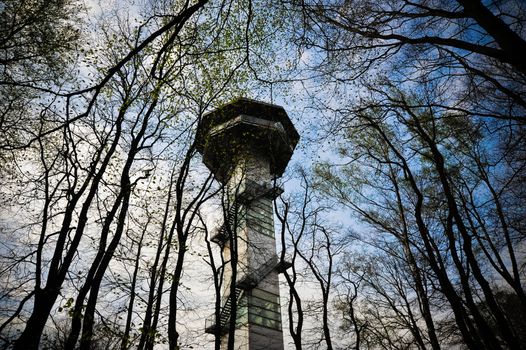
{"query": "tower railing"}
(224, 315)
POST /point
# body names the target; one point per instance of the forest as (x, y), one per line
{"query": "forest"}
(403, 211)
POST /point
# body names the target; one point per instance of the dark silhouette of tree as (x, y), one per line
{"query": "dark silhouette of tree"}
(102, 191)
(422, 176)
(95, 162)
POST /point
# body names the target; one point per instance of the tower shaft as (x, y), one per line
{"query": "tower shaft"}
(258, 323)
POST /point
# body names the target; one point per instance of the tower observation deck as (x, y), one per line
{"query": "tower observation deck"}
(247, 144)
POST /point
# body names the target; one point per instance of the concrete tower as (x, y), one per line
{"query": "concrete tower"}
(247, 144)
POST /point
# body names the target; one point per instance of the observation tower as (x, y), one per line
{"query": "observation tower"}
(247, 144)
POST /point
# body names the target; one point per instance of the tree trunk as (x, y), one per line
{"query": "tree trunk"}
(30, 337)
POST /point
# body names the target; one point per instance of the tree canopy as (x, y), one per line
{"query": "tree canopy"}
(403, 214)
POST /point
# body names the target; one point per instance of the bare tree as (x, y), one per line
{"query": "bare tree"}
(455, 257)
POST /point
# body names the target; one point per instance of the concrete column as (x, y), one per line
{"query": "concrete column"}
(259, 315)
